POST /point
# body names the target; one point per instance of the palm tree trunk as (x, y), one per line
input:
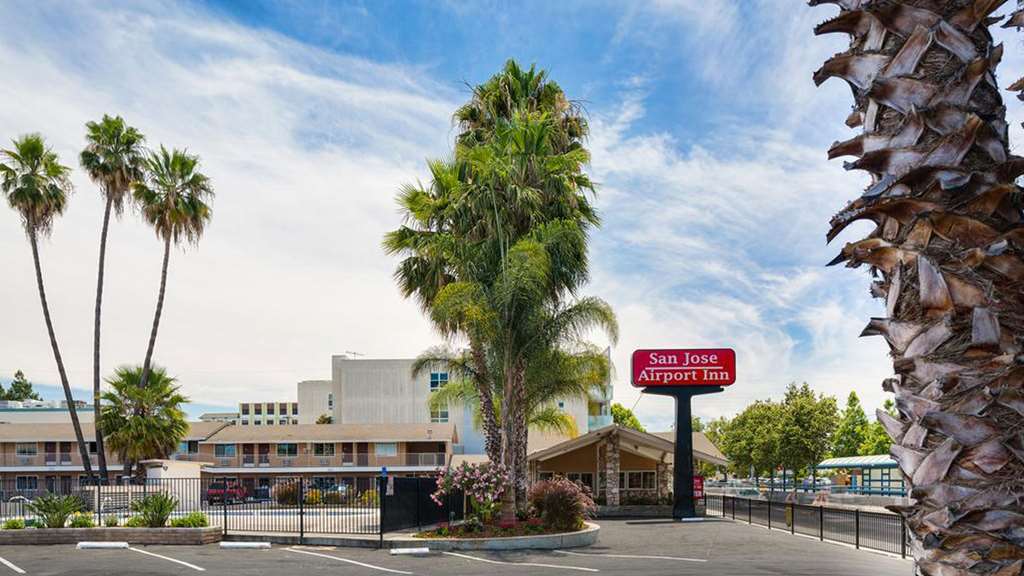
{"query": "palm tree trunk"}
(82, 448)
(508, 447)
(100, 453)
(156, 317)
(949, 249)
(492, 433)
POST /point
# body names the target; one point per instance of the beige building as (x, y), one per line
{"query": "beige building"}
(316, 399)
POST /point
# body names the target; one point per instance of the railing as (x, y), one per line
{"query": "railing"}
(421, 460)
(50, 459)
(862, 529)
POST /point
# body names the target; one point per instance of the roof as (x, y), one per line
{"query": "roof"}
(628, 437)
(873, 461)
(703, 447)
(65, 432)
(337, 433)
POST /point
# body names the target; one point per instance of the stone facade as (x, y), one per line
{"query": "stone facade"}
(664, 479)
(611, 470)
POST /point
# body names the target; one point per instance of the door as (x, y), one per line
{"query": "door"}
(65, 453)
(247, 455)
(362, 454)
(264, 454)
(50, 451)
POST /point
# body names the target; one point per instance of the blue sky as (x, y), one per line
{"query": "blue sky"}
(708, 141)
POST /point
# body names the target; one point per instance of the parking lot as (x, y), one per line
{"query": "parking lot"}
(716, 548)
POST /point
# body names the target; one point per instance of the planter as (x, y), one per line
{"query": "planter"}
(190, 536)
(584, 537)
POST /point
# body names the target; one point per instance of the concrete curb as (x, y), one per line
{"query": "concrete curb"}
(249, 545)
(184, 536)
(585, 537)
(101, 545)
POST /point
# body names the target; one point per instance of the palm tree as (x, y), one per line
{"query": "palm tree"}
(948, 248)
(113, 159)
(36, 184)
(174, 200)
(143, 420)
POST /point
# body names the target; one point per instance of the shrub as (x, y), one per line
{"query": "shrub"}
(135, 522)
(483, 483)
(14, 524)
(155, 509)
(285, 493)
(53, 511)
(333, 497)
(473, 524)
(191, 520)
(369, 498)
(80, 520)
(110, 521)
(561, 504)
(313, 497)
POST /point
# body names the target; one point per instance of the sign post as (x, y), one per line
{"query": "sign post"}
(683, 374)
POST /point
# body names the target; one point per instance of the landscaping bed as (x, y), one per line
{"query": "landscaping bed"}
(189, 536)
(549, 540)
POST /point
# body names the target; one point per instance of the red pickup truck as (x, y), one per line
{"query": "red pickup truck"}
(225, 492)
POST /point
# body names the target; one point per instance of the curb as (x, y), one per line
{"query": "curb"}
(102, 545)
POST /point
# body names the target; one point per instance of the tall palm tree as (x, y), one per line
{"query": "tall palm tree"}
(143, 420)
(174, 200)
(113, 158)
(36, 184)
(948, 248)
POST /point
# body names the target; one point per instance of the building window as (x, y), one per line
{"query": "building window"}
(584, 478)
(245, 409)
(282, 409)
(270, 421)
(330, 401)
(323, 449)
(437, 381)
(295, 408)
(26, 449)
(385, 449)
(295, 420)
(27, 483)
(287, 450)
(257, 422)
(283, 421)
(257, 409)
(547, 475)
(270, 408)
(92, 447)
(224, 450)
(245, 422)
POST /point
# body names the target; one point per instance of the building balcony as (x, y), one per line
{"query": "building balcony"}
(422, 460)
(49, 459)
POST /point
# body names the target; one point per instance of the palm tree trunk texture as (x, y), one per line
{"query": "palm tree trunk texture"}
(82, 448)
(948, 246)
(492, 433)
(100, 453)
(509, 416)
(147, 365)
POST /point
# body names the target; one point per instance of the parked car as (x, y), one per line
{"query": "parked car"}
(229, 492)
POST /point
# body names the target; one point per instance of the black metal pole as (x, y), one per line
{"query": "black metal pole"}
(683, 505)
(302, 511)
(382, 498)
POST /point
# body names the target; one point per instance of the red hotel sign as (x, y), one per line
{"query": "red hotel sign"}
(701, 367)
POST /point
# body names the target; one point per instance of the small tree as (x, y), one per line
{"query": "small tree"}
(624, 417)
(807, 427)
(484, 485)
(853, 428)
(20, 390)
(325, 419)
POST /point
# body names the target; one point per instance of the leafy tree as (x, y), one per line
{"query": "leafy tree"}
(807, 427)
(143, 421)
(751, 439)
(696, 424)
(876, 439)
(325, 419)
(113, 158)
(20, 390)
(37, 186)
(173, 198)
(624, 417)
(852, 430)
(715, 429)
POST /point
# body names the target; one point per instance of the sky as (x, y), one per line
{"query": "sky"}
(708, 142)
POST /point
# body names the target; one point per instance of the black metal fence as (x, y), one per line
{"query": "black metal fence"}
(862, 529)
(283, 505)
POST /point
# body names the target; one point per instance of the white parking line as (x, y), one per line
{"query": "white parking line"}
(183, 563)
(11, 565)
(534, 564)
(638, 557)
(340, 559)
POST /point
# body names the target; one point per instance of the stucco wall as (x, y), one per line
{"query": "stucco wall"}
(313, 395)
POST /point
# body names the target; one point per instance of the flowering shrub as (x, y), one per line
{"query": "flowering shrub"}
(285, 493)
(561, 504)
(483, 483)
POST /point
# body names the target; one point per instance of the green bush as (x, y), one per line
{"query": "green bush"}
(191, 520)
(561, 504)
(14, 524)
(285, 493)
(110, 521)
(80, 520)
(53, 511)
(314, 497)
(369, 498)
(155, 509)
(333, 497)
(135, 522)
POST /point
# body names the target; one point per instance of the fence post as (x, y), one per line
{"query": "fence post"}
(792, 517)
(769, 512)
(856, 527)
(821, 523)
(224, 507)
(750, 515)
(302, 511)
(734, 508)
(903, 539)
(419, 524)
(381, 499)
